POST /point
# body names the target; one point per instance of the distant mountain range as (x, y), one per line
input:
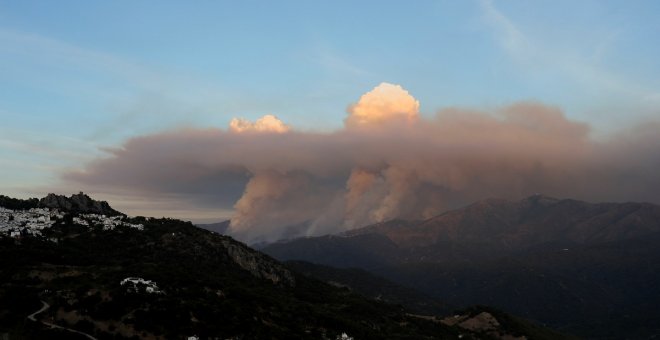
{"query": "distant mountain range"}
(512, 226)
(115, 277)
(590, 269)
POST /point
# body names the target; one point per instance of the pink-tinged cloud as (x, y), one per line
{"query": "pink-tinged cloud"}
(386, 103)
(267, 123)
(293, 183)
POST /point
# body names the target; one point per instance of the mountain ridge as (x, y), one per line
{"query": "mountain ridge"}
(574, 265)
(536, 219)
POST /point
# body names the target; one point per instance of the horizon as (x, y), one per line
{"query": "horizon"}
(214, 221)
(336, 115)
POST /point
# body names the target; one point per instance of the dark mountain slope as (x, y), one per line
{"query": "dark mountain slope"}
(209, 285)
(362, 251)
(580, 267)
(372, 286)
(603, 291)
(145, 278)
(506, 225)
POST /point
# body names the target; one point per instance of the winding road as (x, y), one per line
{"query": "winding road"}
(45, 307)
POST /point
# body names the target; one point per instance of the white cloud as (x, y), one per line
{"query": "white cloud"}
(385, 103)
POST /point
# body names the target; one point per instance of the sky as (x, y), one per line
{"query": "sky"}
(82, 82)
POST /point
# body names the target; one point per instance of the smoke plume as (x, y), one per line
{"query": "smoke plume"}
(389, 161)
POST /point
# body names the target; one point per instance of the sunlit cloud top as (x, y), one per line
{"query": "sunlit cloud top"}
(267, 123)
(385, 103)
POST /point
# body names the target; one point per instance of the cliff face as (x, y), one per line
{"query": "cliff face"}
(79, 203)
(257, 264)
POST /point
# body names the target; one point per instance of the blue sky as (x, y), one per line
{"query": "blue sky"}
(80, 76)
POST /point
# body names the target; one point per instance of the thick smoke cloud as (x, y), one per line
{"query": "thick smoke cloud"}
(388, 162)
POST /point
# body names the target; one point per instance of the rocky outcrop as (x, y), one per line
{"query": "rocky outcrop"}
(79, 203)
(258, 264)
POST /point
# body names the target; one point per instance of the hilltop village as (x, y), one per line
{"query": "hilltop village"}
(33, 221)
(27, 222)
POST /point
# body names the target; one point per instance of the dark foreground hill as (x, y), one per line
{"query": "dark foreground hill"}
(115, 277)
(588, 269)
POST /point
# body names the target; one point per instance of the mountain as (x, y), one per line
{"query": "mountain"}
(503, 225)
(588, 269)
(71, 275)
(79, 203)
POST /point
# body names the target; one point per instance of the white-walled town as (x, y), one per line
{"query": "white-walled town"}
(19, 223)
